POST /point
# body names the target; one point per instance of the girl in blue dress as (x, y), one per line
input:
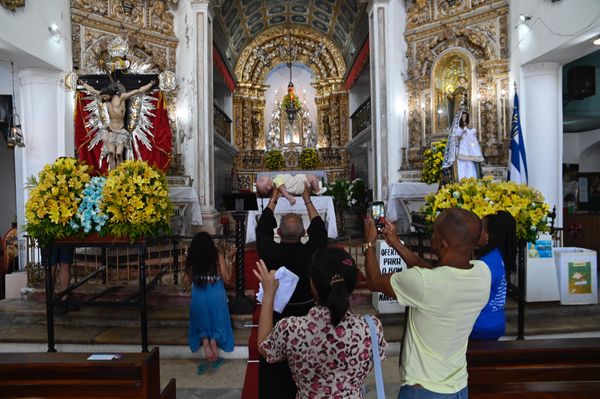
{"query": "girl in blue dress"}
(498, 250)
(210, 324)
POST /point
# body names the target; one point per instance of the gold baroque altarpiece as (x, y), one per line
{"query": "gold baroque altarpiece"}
(147, 26)
(457, 48)
(325, 60)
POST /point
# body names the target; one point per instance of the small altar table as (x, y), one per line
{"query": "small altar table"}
(404, 198)
(323, 205)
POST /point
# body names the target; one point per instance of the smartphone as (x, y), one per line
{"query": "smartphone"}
(378, 212)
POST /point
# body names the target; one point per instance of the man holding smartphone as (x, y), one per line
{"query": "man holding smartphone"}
(444, 302)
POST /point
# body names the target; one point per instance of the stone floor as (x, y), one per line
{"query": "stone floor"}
(92, 329)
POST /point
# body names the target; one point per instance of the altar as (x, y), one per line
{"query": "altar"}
(323, 205)
(404, 198)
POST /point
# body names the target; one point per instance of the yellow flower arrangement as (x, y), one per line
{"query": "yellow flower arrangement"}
(432, 166)
(486, 197)
(54, 199)
(309, 159)
(136, 200)
(274, 160)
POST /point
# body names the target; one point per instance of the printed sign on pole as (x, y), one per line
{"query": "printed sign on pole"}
(389, 262)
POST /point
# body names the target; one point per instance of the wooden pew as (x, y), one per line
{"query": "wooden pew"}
(534, 369)
(71, 375)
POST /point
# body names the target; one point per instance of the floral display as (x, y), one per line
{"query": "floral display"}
(289, 99)
(89, 216)
(54, 199)
(309, 159)
(432, 166)
(486, 197)
(136, 200)
(339, 191)
(357, 194)
(274, 160)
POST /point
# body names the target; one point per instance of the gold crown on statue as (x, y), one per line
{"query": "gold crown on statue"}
(118, 47)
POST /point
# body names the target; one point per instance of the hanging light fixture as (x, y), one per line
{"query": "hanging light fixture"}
(290, 103)
(15, 134)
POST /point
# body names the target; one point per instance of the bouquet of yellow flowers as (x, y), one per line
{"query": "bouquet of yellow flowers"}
(274, 160)
(309, 159)
(486, 197)
(432, 166)
(136, 200)
(54, 199)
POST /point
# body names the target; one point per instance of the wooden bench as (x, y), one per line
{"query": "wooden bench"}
(536, 369)
(71, 375)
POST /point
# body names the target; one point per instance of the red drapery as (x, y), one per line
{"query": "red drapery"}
(359, 64)
(159, 155)
(222, 68)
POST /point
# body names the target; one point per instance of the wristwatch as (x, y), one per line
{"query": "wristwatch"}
(367, 245)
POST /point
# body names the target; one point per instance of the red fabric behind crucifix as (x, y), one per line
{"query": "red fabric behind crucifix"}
(159, 155)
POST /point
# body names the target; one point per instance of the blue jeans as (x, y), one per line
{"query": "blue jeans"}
(415, 392)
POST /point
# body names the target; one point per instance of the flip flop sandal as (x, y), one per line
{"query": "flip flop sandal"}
(201, 369)
(217, 363)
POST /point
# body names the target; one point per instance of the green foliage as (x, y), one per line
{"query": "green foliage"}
(274, 160)
(309, 159)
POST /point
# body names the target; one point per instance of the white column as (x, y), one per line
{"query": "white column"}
(195, 104)
(388, 91)
(542, 130)
(47, 121)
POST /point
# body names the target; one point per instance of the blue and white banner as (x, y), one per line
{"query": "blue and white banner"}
(517, 168)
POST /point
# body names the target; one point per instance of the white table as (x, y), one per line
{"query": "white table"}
(191, 213)
(323, 205)
(404, 198)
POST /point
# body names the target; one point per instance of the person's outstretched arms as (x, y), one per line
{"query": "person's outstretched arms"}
(375, 280)
(391, 237)
(88, 87)
(139, 90)
(310, 208)
(265, 321)
(283, 189)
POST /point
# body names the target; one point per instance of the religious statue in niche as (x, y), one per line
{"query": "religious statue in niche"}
(274, 134)
(118, 116)
(451, 81)
(462, 156)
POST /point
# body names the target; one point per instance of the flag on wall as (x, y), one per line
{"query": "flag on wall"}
(517, 168)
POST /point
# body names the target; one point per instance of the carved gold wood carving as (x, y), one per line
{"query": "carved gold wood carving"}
(476, 27)
(12, 5)
(251, 68)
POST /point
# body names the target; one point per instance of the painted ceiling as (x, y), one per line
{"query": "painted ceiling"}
(341, 20)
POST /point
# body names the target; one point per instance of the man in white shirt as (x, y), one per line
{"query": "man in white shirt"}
(444, 303)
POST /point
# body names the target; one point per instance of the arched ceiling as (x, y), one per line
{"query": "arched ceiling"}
(244, 20)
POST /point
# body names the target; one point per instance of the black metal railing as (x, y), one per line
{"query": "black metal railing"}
(361, 118)
(222, 123)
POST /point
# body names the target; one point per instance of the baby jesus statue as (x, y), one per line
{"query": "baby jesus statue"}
(288, 185)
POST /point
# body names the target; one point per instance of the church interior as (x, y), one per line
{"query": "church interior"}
(366, 95)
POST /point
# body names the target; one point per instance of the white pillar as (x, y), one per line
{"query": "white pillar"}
(47, 123)
(542, 130)
(195, 105)
(388, 91)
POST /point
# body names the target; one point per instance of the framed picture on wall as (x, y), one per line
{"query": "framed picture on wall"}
(589, 191)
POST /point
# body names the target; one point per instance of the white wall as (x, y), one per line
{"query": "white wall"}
(27, 30)
(576, 143)
(360, 91)
(557, 33)
(46, 110)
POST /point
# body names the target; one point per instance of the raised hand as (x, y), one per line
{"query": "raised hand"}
(266, 277)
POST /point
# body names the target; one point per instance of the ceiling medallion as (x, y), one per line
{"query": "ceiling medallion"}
(12, 5)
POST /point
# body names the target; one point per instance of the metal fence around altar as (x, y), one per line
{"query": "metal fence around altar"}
(122, 264)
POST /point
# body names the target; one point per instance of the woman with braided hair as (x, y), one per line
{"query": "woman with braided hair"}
(328, 350)
(498, 249)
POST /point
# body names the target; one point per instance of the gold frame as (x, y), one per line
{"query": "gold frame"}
(447, 83)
